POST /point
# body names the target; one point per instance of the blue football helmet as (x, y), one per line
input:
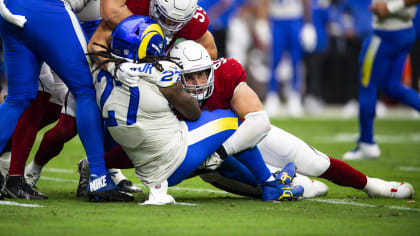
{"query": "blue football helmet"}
(137, 36)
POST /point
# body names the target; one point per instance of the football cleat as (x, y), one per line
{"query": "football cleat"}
(313, 188)
(83, 169)
(272, 104)
(122, 182)
(16, 187)
(102, 189)
(113, 195)
(31, 176)
(128, 186)
(212, 162)
(294, 105)
(275, 191)
(286, 175)
(389, 189)
(363, 151)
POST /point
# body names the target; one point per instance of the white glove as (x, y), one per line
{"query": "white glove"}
(212, 162)
(127, 73)
(308, 37)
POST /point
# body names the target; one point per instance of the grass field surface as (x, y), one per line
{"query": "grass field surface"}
(205, 210)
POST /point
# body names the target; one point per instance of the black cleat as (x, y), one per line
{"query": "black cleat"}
(113, 195)
(127, 186)
(83, 169)
(16, 187)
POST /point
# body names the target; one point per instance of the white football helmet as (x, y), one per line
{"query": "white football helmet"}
(195, 58)
(172, 15)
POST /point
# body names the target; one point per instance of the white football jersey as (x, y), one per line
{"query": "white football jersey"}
(91, 11)
(397, 21)
(76, 5)
(143, 123)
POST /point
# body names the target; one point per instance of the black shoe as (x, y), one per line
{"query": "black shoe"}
(16, 187)
(127, 186)
(83, 168)
(113, 195)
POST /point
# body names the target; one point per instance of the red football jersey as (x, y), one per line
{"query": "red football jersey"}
(228, 73)
(193, 30)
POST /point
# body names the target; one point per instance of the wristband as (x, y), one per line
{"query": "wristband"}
(395, 6)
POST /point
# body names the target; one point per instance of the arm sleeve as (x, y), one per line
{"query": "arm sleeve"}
(252, 130)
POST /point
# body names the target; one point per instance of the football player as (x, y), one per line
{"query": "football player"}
(382, 61)
(177, 18)
(44, 110)
(164, 150)
(227, 89)
(61, 44)
(54, 139)
(292, 31)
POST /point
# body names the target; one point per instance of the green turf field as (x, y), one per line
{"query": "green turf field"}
(204, 210)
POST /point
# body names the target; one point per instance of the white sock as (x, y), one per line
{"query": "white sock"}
(116, 175)
(35, 167)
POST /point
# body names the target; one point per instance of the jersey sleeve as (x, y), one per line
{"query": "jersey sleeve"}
(232, 73)
(196, 27)
(139, 7)
(170, 75)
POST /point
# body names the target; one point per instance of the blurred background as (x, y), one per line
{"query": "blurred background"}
(301, 56)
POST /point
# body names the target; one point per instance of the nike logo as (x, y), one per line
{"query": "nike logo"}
(98, 183)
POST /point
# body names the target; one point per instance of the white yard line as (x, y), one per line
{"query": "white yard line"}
(328, 201)
(57, 170)
(379, 138)
(9, 203)
(410, 168)
(352, 203)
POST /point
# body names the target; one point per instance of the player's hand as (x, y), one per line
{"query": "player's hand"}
(128, 74)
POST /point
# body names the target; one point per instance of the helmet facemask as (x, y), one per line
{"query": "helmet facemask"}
(169, 24)
(200, 91)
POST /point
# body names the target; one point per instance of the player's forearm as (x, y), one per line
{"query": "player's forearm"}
(246, 104)
(102, 36)
(114, 11)
(252, 130)
(183, 102)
